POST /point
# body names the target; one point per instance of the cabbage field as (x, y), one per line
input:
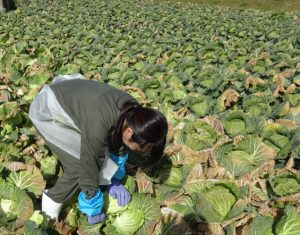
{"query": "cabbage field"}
(228, 81)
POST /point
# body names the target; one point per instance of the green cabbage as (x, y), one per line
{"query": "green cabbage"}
(15, 207)
(256, 106)
(244, 156)
(285, 183)
(261, 225)
(289, 224)
(277, 136)
(151, 210)
(197, 135)
(171, 176)
(129, 221)
(213, 201)
(48, 166)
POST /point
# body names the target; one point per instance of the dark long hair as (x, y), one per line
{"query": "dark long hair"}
(149, 126)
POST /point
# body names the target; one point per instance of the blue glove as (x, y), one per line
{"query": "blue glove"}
(120, 161)
(90, 207)
(96, 218)
(117, 190)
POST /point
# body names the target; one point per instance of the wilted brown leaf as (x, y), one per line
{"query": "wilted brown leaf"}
(228, 98)
(181, 112)
(30, 150)
(291, 89)
(218, 172)
(216, 124)
(264, 55)
(253, 81)
(290, 198)
(172, 149)
(63, 228)
(3, 97)
(5, 77)
(195, 173)
(15, 166)
(171, 132)
(192, 156)
(209, 229)
(144, 185)
(242, 218)
(171, 221)
(265, 168)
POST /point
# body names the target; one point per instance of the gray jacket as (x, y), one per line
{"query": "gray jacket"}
(82, 114)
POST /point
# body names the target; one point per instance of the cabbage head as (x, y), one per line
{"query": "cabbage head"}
(285, 183)
(244, 156)
(151, 210)
(9, 152)
(213, 201)
(240, 123)
(48, 166)
(171, 176)
(277, 136)
(15, 207)
(261, 225)
(256, 106)
(129, 221)
(198, 104)
(197, 135)
(289, 224)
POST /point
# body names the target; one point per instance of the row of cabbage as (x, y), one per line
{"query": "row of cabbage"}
(228, 81)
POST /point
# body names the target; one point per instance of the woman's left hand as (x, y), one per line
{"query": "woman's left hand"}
(117, 190)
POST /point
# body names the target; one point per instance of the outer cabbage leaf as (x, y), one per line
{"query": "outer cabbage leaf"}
(171, 176)
(129, 183)
(294, 115)
(73, 216)
(168, 111)
(235, 124)
(30, 180)
(171, 223)
(88, 229)
(185, 206)
(9, 112)
(110, 230)
(31, 228)
(214, 204)
(8, 152)
(261, 225)
(289, 224)
(293, 99)
(239, 123)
